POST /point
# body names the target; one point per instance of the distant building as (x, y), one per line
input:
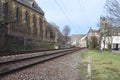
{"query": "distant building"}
(113, 38)
(83, 41)
(75, 39)
(90, 34)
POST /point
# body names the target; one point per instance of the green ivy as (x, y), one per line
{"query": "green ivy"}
(14, 44)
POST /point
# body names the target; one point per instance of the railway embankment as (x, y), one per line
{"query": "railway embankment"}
(60, 68)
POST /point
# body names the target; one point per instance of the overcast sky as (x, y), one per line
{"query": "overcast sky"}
(80, 15)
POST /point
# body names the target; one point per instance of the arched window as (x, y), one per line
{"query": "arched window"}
(27, 20)
(40, 24)
(33, 4)
(6, 10)
(26, 17)
(34, 25)
(17, 15)
(0, 5)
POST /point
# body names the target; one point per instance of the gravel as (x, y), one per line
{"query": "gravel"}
(62, 68)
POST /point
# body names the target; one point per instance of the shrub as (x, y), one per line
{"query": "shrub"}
(94, 42)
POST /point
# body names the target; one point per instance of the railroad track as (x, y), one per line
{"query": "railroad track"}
(9, 52)
(11, 63)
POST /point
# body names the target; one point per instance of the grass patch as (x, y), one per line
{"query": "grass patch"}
(105, 65)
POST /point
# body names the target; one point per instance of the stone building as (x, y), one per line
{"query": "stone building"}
(24, 20)
(92, 33)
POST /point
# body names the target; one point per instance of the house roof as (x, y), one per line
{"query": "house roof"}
(96, 31)
(84, 37)
(93, 31)
(76, 37)
(115, 31)
(31, 4)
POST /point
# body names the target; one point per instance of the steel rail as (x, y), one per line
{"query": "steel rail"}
(11, 66)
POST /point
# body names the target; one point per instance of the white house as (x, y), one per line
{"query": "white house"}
(75, 38)
(114, 32)
(83, 42)
(114, 41)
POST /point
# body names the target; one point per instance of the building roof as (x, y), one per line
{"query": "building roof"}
(96, 31)
(93, 31)
(115, 31)
(76, 37)
(84, 37)
(31, 4)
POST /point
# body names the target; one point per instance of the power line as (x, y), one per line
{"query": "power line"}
(79, 3)
(81, 7)
(63, 11)
(68, 9)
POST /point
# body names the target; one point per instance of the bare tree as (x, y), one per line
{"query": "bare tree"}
(105, 32)
(113, 8)
(66, 32)
(56, 31)
(109, 34)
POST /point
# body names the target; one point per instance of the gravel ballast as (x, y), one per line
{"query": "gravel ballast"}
(62, 68)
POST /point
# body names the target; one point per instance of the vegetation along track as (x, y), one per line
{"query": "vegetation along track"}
(11, 63)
